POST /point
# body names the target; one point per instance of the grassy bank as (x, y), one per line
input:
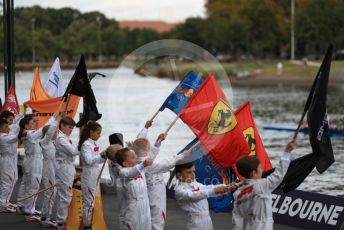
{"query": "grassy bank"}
(64, 65)
(241, 72)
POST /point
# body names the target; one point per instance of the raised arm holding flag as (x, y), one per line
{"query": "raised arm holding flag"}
(322, 156)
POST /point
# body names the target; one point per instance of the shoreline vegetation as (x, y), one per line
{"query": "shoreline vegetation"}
(240, 73)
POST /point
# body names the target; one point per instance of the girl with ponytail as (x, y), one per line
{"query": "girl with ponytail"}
(32, 165)
(91, 156)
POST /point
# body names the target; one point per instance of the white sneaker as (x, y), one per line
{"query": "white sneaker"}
(32, 218)
(12, 205)
(48, 224)
(20, 210)
(7, 210)
(36, 213)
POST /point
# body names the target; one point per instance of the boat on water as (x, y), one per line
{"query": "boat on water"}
(336, 126)
(334, 131)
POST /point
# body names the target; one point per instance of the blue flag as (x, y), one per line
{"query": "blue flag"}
(208, 172)
(181, 94)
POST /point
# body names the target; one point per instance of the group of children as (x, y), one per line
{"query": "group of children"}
(49, 159)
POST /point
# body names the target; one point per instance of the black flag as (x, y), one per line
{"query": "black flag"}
(80, 85)
(297, 172)
(319, 134)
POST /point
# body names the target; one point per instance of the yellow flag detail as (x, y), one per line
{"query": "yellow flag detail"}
(222, 119)
(251, 140)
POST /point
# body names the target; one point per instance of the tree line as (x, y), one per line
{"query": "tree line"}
(260, 28)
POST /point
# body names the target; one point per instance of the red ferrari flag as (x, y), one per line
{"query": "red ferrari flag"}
(11, 102)
(245, 118)
(210, 117)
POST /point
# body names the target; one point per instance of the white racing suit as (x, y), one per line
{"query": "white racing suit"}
(253, 203)
(136, 213)
(14, 129)
(48, 174)
(192, 198)
(8, 167)
(32, 165)
(114, 169)
(156, 185)
(90, 158)
(65, 172)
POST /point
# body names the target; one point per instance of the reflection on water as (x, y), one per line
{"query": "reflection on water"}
(127, 101)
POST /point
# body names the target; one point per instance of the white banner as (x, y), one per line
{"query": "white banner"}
(53, 86)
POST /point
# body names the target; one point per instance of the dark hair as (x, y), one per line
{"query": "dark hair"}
(67, 121)
(121, 155)
(2, 122)
(45, 130)
(181, 167)
(90, 126)
(246, 165)
(6, 114)
(24, 121)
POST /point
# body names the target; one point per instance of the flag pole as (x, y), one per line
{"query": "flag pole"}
(169, 127)
(299, 125)
(101, 171)
(35, 194)
(173, 122)
(155, 114)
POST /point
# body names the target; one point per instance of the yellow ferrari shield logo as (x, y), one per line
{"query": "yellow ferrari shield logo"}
(249, 136)
(222, 119)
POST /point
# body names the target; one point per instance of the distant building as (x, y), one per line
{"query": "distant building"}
(159, 26)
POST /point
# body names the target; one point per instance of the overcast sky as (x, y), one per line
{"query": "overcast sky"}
(170, 11)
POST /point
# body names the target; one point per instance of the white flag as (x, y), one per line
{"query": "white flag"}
(53, 86)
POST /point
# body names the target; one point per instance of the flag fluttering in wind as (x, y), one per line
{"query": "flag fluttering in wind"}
(298, 170)
(210, 117)
(38, 92)
(245, 118)
(319, 134)
(54, 86)
(11, 102)
(43, 105)
(322, 156)
(44, 109)
(80, 85)
(182, 93)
